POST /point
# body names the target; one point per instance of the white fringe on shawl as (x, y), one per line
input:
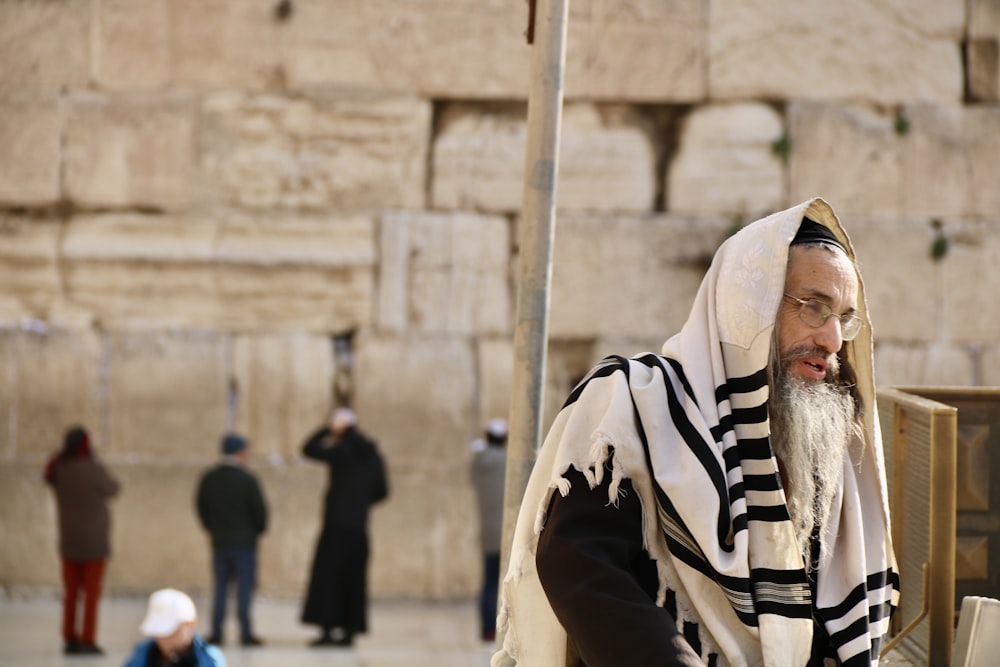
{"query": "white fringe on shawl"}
(727, 336)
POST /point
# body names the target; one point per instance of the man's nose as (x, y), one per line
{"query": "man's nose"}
(829, 337)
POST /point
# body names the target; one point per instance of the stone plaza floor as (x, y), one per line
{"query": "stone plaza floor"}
(410, 634)
(400, 634)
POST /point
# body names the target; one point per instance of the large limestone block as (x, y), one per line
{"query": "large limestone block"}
(607, 161)
(283, 389)
(850, 155)
(53, 379)
(307, 274)
(886, 52)
(495, 380)
(478, 158)
(902, 281)
(983, 50)
(29, 551)
(915, 299)
(970, 273)
(44, 46)
(416, 397)
(29, 272)
(725, 163)
(141, 271)
(167, 395)
(983, 57)
(628, 276)
(933, 364)
(438, 48)
(30, 154)
(984, 18)
(989, 366)
(130, 151)
(952, 159)
(637, 50)
(444, 272)
(132, 43)
(644, 50)
(346, 152)
(217, 44)
(282, 273)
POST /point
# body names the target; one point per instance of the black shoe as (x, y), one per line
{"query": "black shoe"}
(325, 640)
(72, 647)
(214, 640)
(251, 641)
(89, 649)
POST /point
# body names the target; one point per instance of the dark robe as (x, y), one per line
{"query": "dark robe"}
(338, 586)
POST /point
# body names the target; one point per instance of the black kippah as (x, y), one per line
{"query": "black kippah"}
(811, 231)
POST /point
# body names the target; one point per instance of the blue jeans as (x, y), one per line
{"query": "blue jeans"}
(488, 595)
(230, 563)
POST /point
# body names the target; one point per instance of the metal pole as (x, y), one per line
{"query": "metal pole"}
(537, 233)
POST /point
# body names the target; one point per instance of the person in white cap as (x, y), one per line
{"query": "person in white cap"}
(487, 471)
(337, 598)
(169, 626)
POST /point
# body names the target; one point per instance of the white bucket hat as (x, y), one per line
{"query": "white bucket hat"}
(168, 608)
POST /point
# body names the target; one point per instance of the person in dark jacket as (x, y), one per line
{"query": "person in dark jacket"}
(337, 599)
(232, 509)
(82, 487)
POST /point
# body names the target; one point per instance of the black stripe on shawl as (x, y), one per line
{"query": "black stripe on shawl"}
(756, 449)
(724, 426)
(768, 513)
(755, 415)
(858, 594)
(604, 368)
(877, 611)
(741, 385)
(678, 370)
(768, 482)
(703, 451)
(782, 592)
(858, 628)
(731, 457)
(860, 660)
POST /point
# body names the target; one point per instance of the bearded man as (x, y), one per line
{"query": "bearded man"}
(722, 503)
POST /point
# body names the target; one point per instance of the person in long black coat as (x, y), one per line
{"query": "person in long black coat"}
(337, 599)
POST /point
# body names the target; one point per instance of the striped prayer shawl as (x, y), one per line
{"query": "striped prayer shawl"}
(689, 429)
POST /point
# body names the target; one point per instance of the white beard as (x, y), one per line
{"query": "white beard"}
(812, 424)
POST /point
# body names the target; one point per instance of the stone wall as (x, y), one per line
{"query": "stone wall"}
(237, 214)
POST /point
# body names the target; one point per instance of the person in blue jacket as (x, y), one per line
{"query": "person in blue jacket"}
(171, 639)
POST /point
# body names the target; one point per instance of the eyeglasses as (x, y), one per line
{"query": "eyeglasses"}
(815, 313)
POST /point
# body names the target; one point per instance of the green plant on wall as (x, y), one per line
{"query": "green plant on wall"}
(902, 124)
(782, 147)
(939, 245)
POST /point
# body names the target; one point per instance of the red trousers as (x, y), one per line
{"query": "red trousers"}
(88, 575)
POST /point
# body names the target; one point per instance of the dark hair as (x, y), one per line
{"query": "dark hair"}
(76, 443)
(496, 439)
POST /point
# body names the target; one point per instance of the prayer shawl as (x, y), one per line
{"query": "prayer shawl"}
(690, 430)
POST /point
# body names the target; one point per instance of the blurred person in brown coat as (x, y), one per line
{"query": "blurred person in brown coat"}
(82, 487)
